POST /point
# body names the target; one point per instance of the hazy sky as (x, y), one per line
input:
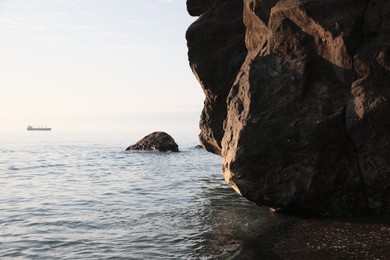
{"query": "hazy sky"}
(97, 65)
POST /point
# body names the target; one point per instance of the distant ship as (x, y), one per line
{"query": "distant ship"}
(38, 128)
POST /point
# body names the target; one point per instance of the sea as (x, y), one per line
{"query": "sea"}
(80, 196)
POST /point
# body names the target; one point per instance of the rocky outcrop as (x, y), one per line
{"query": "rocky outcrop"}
(157, 141)
(297, 100)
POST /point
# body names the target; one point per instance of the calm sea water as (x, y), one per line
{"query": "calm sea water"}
(82, 197)
(73, 197)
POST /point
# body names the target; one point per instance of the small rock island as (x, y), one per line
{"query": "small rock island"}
(156, 141)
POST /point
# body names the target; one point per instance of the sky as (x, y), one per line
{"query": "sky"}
(97, 65)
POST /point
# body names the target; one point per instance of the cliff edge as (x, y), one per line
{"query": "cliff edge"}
(297, 100)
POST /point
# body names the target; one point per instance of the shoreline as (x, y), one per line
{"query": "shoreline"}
(298, 237)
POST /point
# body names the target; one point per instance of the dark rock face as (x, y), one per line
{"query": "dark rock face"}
(157, 141)
(216, 52)
(297, 100)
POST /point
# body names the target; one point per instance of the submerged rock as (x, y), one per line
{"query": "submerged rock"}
(157, 141)
(297, 100)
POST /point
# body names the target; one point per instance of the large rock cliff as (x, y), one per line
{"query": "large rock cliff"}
(297, 100)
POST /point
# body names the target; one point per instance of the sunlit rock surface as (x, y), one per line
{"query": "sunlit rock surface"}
(297, 100)
(157, 141)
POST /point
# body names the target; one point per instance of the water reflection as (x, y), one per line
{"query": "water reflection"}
(233, 228)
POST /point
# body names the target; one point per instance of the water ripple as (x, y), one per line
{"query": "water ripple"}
(82, 200)
(43, 166)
